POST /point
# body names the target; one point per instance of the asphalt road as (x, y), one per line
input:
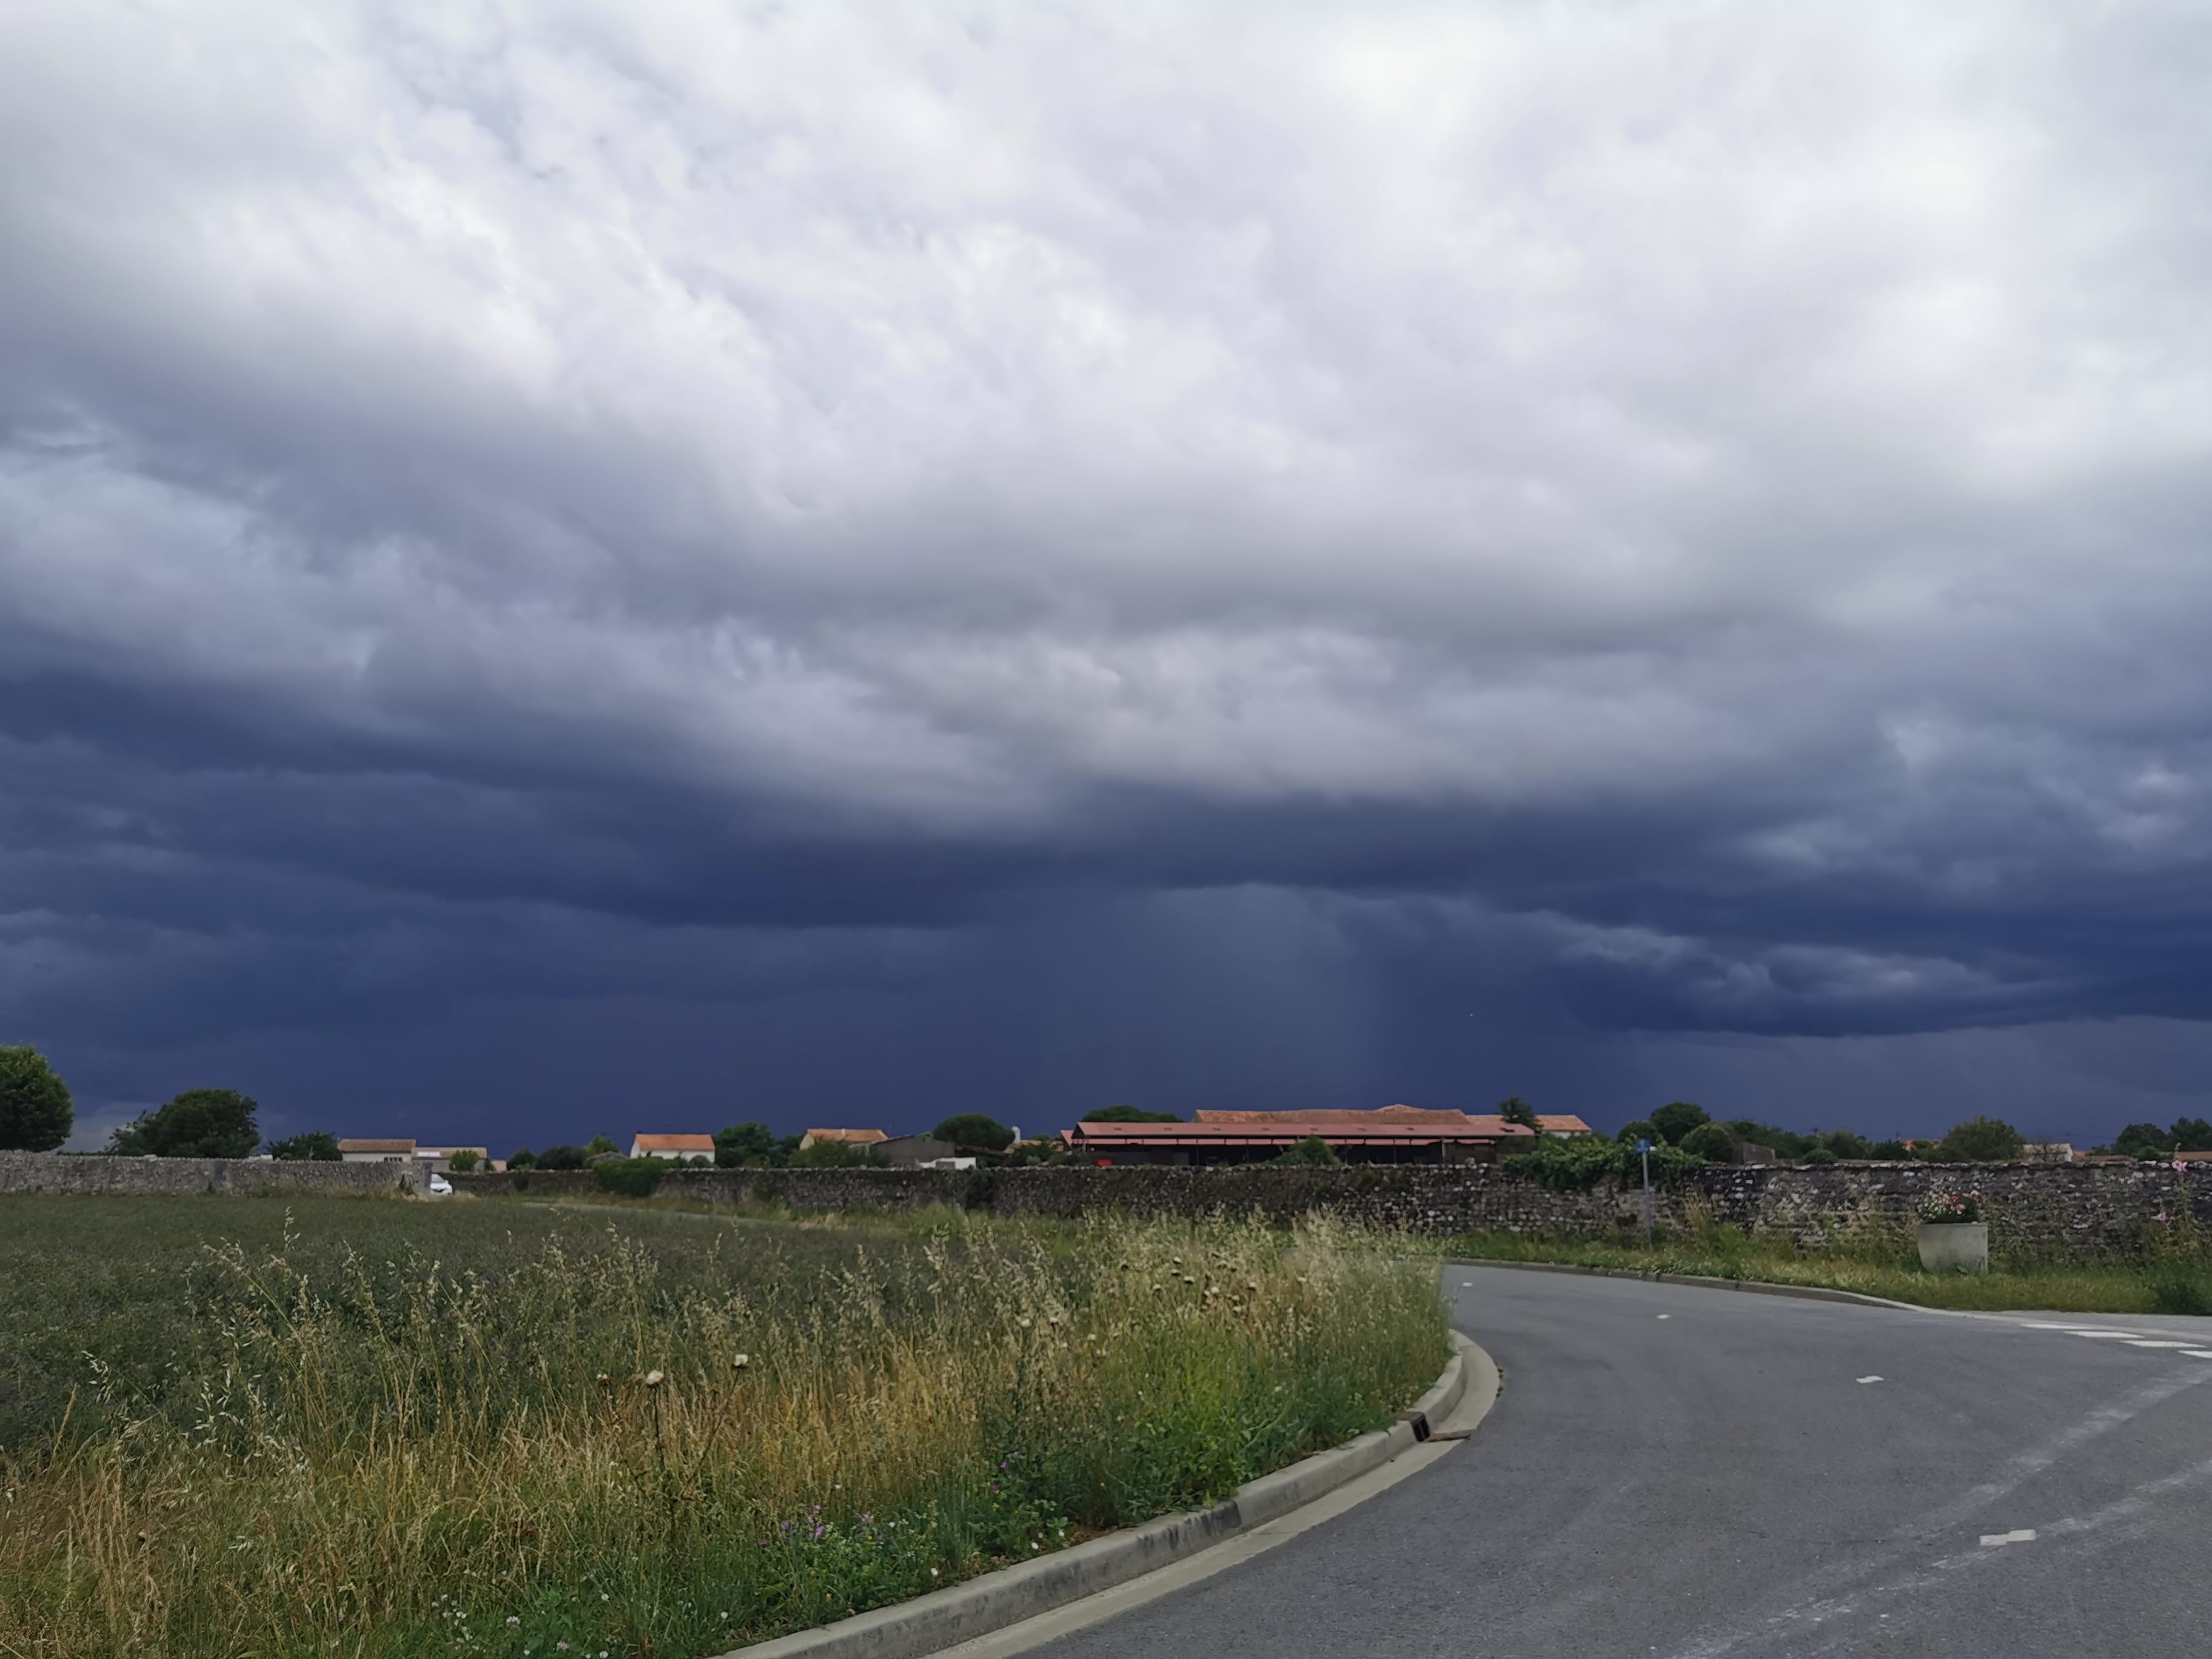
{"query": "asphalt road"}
(1696, 1473)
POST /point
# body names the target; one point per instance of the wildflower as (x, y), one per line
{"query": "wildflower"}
(514, 1622)
(653, 1379)
(932, 1572)
(604, 1379)
(739, 1362)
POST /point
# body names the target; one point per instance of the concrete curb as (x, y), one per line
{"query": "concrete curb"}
(1755, 1287)
(944, 1617)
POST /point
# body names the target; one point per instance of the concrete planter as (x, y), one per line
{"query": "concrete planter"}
(1954, 1247)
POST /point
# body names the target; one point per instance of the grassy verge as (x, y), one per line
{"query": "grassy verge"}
(504, 1429)
(2175, 1285)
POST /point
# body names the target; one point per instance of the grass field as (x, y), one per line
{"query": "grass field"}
(386, 1428)
(2178, 1282)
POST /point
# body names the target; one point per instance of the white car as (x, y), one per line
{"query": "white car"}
(441, 1186)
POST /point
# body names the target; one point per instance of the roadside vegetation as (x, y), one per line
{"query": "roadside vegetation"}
(2170, 1271)
(389, 1428)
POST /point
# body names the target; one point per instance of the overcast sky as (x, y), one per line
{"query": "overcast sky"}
(568, 567)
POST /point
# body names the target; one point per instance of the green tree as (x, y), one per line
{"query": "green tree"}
(1895, 1150)
(2141, 1139)
(36, 1113)
(314, 1147)
(837, 1155)
(1638, 1129)
(522, 1158)
(1311, 1152)
(1847, 1142)
(1819, 1155)
(1128, 1114)
(744, 1144)
(973, 1132)
(1711, 1141)
(1981, 1140)
(562, 1158)
(1514, 1110)
(2192, 1134)
(198, 1123)
(463, 1161)
(1676, 1119)
(601, 1146)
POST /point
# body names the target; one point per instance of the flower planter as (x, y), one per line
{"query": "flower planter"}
(1954, 1247)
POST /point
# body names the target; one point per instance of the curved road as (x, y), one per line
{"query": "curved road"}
(1696, 1473)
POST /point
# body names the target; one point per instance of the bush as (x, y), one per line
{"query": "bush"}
(1638, 1129)
(314, 1147)
(632, 1177)
(198, 1123)
(562, 1158)
(1981, 1140)
(1128, 1114)
(2176, 1288)
(36, 1113)
(1583, 1161)
(838, 1155)
(1820, 1156)
(1894, 1149)
(1676, 1119)
(522, 1158)
(463, 1161)
(1713, 1142)
(973, 1132)
(1847, 1142)
(1311, 1152)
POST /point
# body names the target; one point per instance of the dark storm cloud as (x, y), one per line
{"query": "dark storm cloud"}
(1687, 521)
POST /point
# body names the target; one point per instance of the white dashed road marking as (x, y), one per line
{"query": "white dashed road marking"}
(2153, 1342)
(1869, 1379)
(1992, 1540)
(1666, 1315)
(2198, 1353)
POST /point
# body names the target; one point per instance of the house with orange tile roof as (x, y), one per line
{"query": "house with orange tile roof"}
(847, 1136)
(672, 1146)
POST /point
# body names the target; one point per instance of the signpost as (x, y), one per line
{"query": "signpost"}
(1643, 1151)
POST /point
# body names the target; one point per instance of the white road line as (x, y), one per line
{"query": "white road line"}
(2154, 1342)
(2107, 1336)
(1992, 1539)
(1869, 1379)
(2198, 1353)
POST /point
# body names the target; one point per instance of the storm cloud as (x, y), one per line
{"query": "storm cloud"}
(562, 564)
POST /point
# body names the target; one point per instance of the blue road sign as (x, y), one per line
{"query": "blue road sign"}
(1642, 1145)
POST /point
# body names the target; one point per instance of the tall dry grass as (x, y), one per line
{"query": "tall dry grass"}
(567, 1455)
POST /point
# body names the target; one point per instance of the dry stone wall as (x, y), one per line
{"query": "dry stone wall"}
(49, 1172)
(2044, 1209)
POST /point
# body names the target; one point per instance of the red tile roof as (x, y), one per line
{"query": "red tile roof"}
(675, 1143)
(376, 1146)
(851, 1137)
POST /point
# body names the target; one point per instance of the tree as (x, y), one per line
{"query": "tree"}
(1712, 1142)
(973, 1131)
(562, 1158)
(2140, 1139)
(198, 1123)
(742, 1144)
(1819, 1155)
(837, 1155)
(1514, 1110)
(1847, 1142)
(1311, 1152)
(36, 1113)
(1128, 1114)
(1676, 1119)
(1638, 1129)
(522, 1158)
(463, 1161)
(2192, 1134)
(1895, 1150)
(601, 1146)
(1981, 1140)
(314, 1147)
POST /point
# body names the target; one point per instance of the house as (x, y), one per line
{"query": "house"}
(907, 1152)
(672, 1146)
(433, 1160)
(1385, 1135)
(848, 1137)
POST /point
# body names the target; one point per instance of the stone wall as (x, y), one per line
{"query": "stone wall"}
(46, 1172)
(2057, 1210)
